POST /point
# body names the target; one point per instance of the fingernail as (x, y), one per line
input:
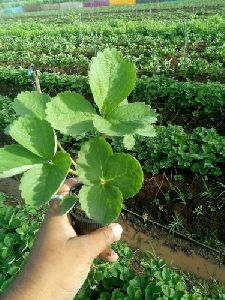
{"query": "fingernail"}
(117, 230)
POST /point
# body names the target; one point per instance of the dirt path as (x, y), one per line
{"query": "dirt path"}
(176, 253)
(4, 139)
(10, 186)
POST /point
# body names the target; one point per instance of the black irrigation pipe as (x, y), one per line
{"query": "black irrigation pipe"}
(175, 233)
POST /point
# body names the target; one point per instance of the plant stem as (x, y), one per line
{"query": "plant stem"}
(71, 171)
(62, 149)
(73, 162)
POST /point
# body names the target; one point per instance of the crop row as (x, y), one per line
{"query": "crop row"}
(137, 13)
(158, 91)
(182, 68)
(161, 92)
(201, 151)
(154, 4)
(155, 47)
(62, 52)
(188, 103)
(170, 32)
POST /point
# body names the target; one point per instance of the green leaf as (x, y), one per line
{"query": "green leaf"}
(67, 203)
(138, 295)
(112, 78)
(70, 113)
(148, 130)
(106, 174)
(116, 128)
(40, 183)
(92, 160)
(32, 104)
(126, 119)
(14, 159)
(124, 171)
(101, 202)
(129, 142)
(35, 135)
(124, 102)
(133, 112)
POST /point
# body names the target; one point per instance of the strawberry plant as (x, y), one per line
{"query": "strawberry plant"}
(6, 112)
(18, 226)
(108, 177)
(201, 151)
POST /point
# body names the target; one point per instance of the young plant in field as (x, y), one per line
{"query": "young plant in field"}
(107, 178)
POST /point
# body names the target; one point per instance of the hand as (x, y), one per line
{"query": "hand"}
(60, 260)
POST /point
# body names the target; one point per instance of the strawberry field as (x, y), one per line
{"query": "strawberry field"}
(179, 53)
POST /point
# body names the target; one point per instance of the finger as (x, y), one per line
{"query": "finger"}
(65, 220)
(63, 191)
(108, 255)
(53, 209)
(68, 184)
(102, 238)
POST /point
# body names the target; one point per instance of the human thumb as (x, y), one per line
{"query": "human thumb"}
(102, 238)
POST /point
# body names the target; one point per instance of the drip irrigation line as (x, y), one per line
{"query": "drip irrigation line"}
(176, 233)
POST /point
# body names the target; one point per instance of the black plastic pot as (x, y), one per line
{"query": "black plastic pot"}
(83, 225)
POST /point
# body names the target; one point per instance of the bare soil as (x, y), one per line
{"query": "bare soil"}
(4, 139)
(176, 252)
(151, 202)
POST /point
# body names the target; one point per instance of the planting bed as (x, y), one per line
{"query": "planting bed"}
(183, 206)
(177, 252)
